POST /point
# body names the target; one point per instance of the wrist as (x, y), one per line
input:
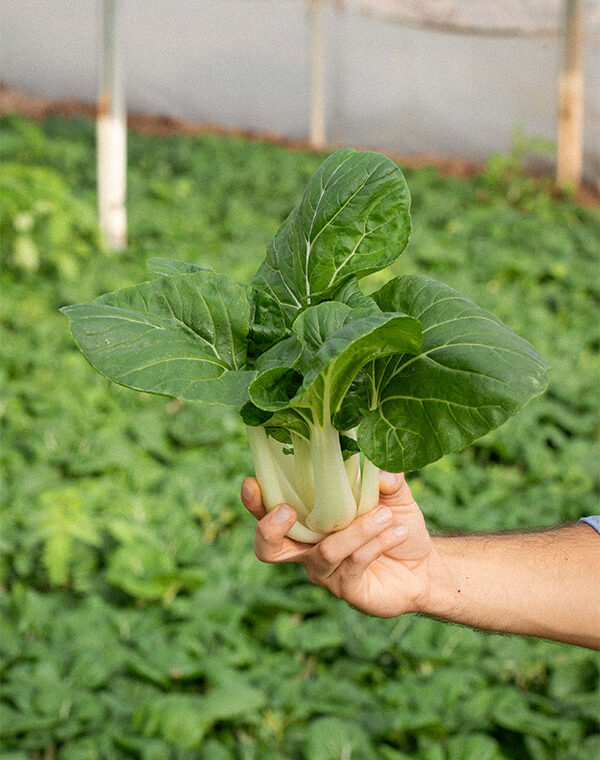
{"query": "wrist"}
(442, 597)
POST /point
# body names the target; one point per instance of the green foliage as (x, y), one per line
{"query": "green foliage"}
(508, 171)
(44, 224)
(136, 622)
(416, 371)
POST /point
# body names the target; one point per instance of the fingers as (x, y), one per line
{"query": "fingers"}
(352, 550)
(252, 499)
(389, 482)
(270, 541)
(355, 566)
(329, 554)
(394, 490)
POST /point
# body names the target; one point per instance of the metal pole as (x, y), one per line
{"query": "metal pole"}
(569, 162)
(111, 133)
(317, 72)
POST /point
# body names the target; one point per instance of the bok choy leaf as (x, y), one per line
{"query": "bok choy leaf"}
(332, 383)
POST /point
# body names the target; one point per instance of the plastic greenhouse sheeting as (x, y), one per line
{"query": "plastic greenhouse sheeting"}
(392, 82)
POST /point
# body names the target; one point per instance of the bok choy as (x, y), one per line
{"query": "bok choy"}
(332, 383)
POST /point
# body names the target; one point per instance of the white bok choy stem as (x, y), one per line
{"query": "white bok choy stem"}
(285, 462)
(369, 487)
(352, 465)
(275, 487)
(304, 479)
(335, 505)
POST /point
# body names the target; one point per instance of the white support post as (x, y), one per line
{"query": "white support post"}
(569, 160)
(317, 74)
(111, 133)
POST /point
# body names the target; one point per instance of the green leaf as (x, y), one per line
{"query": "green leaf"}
(85, 748)
(349, 446)
(142, 748)
(472, 374)
(166, 267)
(333, 739)
(351, 294)
(473, 747)
(183, 719)
(15, 723)
(183, 335)
(318, 323)
(512, 711)
(149, 572)
(175, 718)
(353, 219)
(269, 322)
(589, 749)
(252, 415)
(352, 346)
(283, 354)
(214, 750)
(335, 347)
(315, 634)
(63, 521)
(275, 389)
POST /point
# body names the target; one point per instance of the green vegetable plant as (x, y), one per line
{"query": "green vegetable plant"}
(332, 384)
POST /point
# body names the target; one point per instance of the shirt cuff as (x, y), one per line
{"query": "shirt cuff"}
(593, 520)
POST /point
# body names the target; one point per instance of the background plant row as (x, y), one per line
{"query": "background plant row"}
(136, 621)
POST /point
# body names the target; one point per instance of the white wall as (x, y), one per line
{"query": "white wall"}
(245, 63)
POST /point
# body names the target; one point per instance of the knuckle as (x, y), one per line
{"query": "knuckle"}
(262, 530)
(356, 558)
(262, 549)
(313, 576)
(267, 531)
(327, 553)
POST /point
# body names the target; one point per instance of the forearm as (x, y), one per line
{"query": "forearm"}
(543, 584)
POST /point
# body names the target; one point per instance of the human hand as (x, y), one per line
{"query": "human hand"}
(378, 564)
(519, 583)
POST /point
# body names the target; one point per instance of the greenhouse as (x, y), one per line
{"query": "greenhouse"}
(300, 380)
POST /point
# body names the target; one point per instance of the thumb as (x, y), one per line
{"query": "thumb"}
(394, 490)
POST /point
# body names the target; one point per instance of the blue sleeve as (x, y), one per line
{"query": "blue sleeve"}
(593, 520)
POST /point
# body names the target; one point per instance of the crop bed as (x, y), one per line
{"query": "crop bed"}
(137, 622)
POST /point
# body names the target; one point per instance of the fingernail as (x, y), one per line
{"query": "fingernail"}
(390, 478)
(400, 530)
(384, 514)
(282, 515)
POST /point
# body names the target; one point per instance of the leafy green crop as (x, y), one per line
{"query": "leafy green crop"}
(320, 370)
(155, 593)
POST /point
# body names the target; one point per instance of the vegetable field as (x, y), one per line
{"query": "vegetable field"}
(136, 621)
